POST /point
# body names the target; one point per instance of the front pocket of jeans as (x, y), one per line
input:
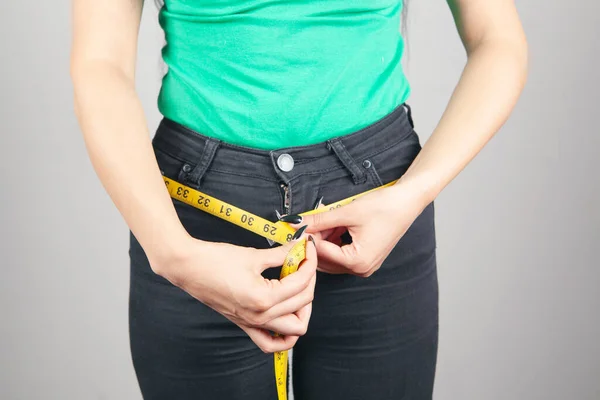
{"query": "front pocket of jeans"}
(169, 165)
(390, 164)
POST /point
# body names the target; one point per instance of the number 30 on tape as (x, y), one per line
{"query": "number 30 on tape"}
(279, 232)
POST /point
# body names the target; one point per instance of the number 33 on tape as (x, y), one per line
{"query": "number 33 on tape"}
(279, 232)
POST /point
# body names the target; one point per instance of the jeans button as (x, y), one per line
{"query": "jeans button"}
(187, 168)
(367, 164)
(285, 162)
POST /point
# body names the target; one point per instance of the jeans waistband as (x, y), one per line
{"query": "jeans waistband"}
(348, 151)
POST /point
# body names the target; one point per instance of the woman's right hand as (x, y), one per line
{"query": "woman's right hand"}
(228, 279)
(225, 277)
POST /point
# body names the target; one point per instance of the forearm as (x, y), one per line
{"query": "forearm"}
(485, 95)
(115, 133)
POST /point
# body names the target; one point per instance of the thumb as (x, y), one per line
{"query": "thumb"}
(318, 220)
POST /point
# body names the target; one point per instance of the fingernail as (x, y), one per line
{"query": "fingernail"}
(312, 240)
(299, 232)
(292, 219)
(318, 203)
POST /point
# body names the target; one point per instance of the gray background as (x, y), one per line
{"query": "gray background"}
(518, 229)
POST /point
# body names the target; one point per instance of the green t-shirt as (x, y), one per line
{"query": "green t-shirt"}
(276, 73)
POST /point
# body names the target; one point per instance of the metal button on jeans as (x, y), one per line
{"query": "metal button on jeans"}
(285, 162)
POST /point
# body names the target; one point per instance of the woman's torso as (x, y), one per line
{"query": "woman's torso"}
(276, 73)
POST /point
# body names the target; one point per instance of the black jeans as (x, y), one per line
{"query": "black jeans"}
(368, 338)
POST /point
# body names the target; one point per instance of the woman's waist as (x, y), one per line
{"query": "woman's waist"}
(201, 152)
(283, 117)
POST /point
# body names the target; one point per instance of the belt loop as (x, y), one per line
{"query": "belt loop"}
(358, 174)
(409, 114)
(195, 175)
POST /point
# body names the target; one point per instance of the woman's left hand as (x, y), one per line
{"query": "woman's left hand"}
(375, 221)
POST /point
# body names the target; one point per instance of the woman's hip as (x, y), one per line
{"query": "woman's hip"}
(290, 180)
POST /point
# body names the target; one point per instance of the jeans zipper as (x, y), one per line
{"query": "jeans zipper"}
(286, 198)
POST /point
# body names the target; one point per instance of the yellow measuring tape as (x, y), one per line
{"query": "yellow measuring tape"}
(280, 232)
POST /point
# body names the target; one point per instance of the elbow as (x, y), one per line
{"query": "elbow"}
(83, 69)
(518, 52)
(75, 73)
(524, 51)
(75, 67)
(517, 49)
(78, 73)
(509, 51)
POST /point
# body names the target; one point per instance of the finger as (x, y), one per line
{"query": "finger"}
(332, 269)
(292, 304)
(327, 266)
(331, 254)
(310, 253)
(319, 235)
(346, 257)
(325, 220)
(304, 314)
(289, 325)
(267, 342)
(325, 234)
(275, 256)
(283, 317)
(276, 291)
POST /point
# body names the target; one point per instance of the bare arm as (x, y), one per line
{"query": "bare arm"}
(113, 122)
(484, 96)
(117, 139)
(486, 93)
